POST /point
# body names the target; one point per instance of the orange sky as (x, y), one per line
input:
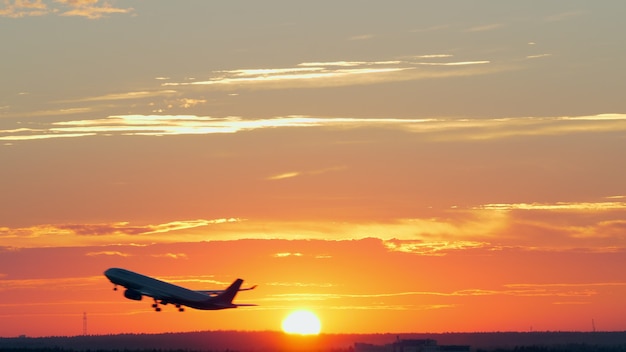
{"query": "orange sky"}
(397, 167)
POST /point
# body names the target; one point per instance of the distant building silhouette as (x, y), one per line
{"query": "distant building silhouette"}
(413, 345)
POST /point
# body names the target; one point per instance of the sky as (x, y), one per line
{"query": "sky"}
(392, 166)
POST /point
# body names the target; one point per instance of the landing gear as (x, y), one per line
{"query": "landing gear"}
(156, 307)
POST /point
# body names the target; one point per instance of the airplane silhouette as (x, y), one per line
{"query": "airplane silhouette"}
(138, 285)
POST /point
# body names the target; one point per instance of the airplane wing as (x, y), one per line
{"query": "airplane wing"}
(162, 296)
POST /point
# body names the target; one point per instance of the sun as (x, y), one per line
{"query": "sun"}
(302, 322)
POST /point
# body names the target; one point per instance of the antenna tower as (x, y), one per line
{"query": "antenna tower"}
(84, 323)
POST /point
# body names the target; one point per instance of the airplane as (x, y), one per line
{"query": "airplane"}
(138, 285)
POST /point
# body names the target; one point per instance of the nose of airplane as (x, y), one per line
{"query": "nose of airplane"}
(109, 272)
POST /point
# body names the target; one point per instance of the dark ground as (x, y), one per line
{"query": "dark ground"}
(277, 341)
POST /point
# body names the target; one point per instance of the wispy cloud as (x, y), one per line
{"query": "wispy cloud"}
(602, 231)
(459, 63)
(500, 128)
(480, 230)
(108, 253)
(390, 307)
(556, 291)
(284, 175)
(48, 283)
(99, 234)
(437, 129)
(171, 255)
(92, 9)
(292, 174)
(340, 73)
(125, 96)
(563, 16)
(432, 28)
(566, 285)
(538, 56)
(435, 248)
(52, 112)
(485, 28)
(299, 284)
(559, 206)
(159, 125)
(287, 254)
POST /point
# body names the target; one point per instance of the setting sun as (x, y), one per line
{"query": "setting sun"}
(302, 322)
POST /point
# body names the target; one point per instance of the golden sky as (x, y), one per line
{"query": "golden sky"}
(403, 166)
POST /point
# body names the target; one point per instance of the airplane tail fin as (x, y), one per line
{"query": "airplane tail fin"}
(225, 299)
(229, 294)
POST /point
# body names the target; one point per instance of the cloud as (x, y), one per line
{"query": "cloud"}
(516, 127)
(440, 129)
(566, 285)
(23, 8)
(108, 253)
(485, 28)
(125, 96)
(293, 174)
(298, 254)
(317, 65)
(538, 56)
(171, 255)
(187, 103)
(600, 230)
(103, 229)
(556, 291)
(287, 254)
(91, 9)
(564, 16)
(434, 248)
(52, 112)
(299, 284)
(558, 206)
(480, 230)
(388, 307)
(341, 73)
(459, 63)
(435, 28)
(579, 290)
(284, 176)
(183, 225)
(99, 234)
(49, 283)
(159, 125)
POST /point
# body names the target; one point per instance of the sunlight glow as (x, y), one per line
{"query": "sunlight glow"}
(302, 322)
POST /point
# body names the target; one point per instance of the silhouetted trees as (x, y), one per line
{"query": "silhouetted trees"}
(559, 348)
(274, 341)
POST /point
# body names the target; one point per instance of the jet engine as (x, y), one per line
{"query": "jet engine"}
(132, 294)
